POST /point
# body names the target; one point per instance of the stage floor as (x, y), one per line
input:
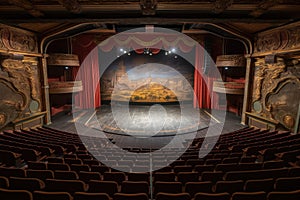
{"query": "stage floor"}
(149, 120)
(90, 121)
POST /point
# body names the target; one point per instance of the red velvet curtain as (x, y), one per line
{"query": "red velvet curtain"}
(203, 83)
(89, 74)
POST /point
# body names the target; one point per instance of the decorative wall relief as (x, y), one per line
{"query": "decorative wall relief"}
(17, 40)
(287, 37)
(20, 90)
(276, 91)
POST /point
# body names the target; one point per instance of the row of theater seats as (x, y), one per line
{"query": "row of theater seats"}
(235, 168)
(136, 183)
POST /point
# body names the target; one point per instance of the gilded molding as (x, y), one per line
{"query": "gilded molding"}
(275, 91)
(285, 38)
(13, 39)
(21, 90)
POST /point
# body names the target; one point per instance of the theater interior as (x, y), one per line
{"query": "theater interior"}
(149, 100)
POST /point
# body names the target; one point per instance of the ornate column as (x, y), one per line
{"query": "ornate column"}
(247, 90)
(45, 90)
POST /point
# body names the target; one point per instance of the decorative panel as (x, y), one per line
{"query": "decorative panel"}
(20, 90)
(278, 40)
(13, 39)
(276, 91)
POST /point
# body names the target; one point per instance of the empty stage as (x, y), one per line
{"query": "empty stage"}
(149, 120)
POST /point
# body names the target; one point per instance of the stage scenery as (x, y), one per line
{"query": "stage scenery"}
(147, 95)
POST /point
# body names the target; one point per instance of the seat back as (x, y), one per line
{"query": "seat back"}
(171, 196)
(287, 184)
(138, 176)
(131, 187)
(58, 166)
(4, 182)
(194, 187)
(167, 187)
(30, 184)
(43, 195)
(65, 175)
(90, 196)
(9, 172)
(40, 174)
(6, 194)
(266, 185)
(293, 195)
(185, 177)
(164, 176)
(118, 177)
(212, 196)
(70, 186)
(248, 196)
(88, 176)
(137, 196)
(109, 187)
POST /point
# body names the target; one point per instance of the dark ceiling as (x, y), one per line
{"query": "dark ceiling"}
(245, 16)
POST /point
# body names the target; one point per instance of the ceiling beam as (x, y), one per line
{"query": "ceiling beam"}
(264, 6)
(143, 20)
(71, 5)
(28, 6)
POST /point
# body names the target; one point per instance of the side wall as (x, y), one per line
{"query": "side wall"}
(275, 85)
(21, 103)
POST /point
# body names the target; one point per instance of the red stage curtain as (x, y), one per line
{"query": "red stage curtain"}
(89, 74)
(203, 83)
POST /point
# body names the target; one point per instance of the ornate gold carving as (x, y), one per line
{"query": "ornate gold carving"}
(71, 5)
(17, 40)
(148, 7)
(2, 119)
(281, 39)
(221, 5)
(263, 6)
(10, 103)
(23, 77)
(276, 91)
(63, 60)
(231, 61)
(61, 87)
(289, 121)
(28, 6)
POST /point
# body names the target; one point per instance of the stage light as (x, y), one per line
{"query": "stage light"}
(121, 49)
(173, 50)
(170, 52)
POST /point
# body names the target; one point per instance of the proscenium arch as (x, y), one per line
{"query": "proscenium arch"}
(89, 26)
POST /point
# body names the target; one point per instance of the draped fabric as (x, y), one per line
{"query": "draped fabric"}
(88, 73)
(203, 83)
(136, 41)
